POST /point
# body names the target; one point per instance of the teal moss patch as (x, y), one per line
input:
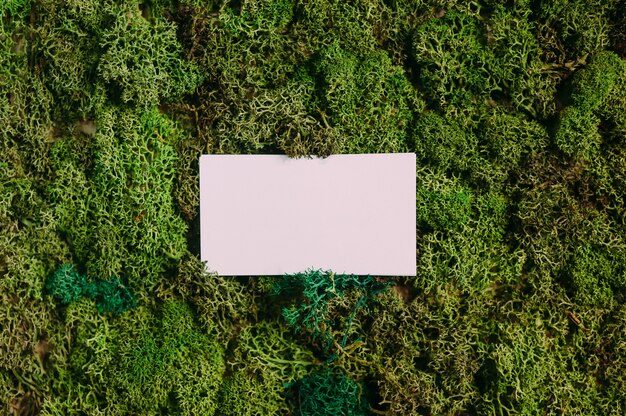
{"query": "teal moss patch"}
(319, 295)
(68, 285)
(326, 393)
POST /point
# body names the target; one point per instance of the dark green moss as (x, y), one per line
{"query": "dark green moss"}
(593, 84)
(144, 363)
(315, 291)
(111, 296)
(118, 212)
(331, 394)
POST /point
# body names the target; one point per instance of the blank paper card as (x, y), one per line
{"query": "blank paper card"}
(271, 214)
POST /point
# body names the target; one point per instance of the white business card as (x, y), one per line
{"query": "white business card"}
(271, 214)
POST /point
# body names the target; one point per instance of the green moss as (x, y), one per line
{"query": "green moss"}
(517, 66)
(179, 375)
(139, 364)
(317, 290)
(563, 204)
(578, 130)
(111, 296)
(442, 205)
(504, 142)
(15, 7)
(92, 52)
(582, 25)
(593, 84)
(449, 53)
(335, 95)
(30, 249)
(265, 361)
(270, 13)
(243, 395)
(435, 362)
(66, 48)
(325, 21)
(303, 99)
(518, 371)
(614, 108)
(366, 98)
(444, 143)
(474, 256)
(220, 303)
(66, 284)
(508, 137)
(516, 111)
(119, 214)
(578, 133)
(331, 394)
(146, 66)
(466, 61)
(266, 347)
(597, 276)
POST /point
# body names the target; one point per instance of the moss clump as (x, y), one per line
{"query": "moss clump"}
(93, 52)
(593, 84)
(444, 143)
(315, 292)
(244, 395)
(112, 296)
(117, 210)
(146, 66)
(582, 25)
(453, 73)
(366, 98)
(597, 275)
(143, 363)
(326, 393)
(265, 362)
(614, 107)
(442, 205)
(220, 302)
(578, 133)
(67, 285)
(505, 140)
(466, 62)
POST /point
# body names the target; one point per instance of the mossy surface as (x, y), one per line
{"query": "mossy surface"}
(516, 112)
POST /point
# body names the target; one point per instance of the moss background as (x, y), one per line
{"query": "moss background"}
(517, 113)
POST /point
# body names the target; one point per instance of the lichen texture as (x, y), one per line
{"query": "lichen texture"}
(515, 110)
